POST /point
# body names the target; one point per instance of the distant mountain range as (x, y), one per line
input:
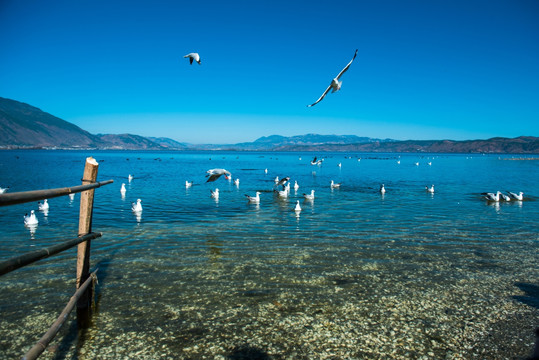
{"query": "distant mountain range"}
(23, 126)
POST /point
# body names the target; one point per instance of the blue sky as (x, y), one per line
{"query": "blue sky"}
(424, 70)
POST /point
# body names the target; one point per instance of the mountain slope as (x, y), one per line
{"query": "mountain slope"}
(518, 145)
(23, 125)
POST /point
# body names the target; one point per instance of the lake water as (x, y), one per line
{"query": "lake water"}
(356, 274)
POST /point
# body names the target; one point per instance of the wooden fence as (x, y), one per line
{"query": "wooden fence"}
(82, 296)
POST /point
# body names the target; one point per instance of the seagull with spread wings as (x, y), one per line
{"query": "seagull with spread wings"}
(214, 174)
(193, 56)
(335, 83)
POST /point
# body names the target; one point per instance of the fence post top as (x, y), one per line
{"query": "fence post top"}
(92, 161)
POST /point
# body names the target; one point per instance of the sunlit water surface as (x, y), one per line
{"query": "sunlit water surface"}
(355, 274)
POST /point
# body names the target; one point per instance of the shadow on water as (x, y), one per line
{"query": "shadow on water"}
(75, 333)
(531, 298)
(245, 352)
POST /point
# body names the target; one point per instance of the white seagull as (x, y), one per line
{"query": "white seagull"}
(505, 197)
(382, 189)
(519, 196)
(193, 57)
(297, 208)
(72, 196)
(44, 206)
(335, 83)
(214, 174)
(334, 185)
(282, 193)
(430, 189)
(310, 196)
(137, 207)
(30, 219)
(254, 199)
(188, 184)
(3, 190)
(215, 193)
(237, 182)
(122, 189)
(492, 197)
(296, 186)
(130, 177)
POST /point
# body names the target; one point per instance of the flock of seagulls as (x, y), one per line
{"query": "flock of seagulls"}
(281, 189)
(335, 84)
(499, 196)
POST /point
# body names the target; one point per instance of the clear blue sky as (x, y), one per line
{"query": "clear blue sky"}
(424, 70)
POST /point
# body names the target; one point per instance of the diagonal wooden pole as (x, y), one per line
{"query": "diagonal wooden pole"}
(83, 250)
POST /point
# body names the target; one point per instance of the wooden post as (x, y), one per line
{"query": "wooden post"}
(83, 250)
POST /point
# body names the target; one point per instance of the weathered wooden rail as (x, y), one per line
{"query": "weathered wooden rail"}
(82, 296)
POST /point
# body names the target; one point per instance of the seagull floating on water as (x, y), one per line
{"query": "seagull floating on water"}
(430, 189)
(254, 199)
(492, 197)
(137, 207)
(382, 189)
(193, 57)
(297, 208)
(282, 193)
(130, 177)
(310, 196)
(296, 186)
(237, 182)
(72, 196)
(519, 196)
(505, 197)
(214, 174)
(188, 184)
(44, 206)
(122, 189)
(335, 83)
(3, 190)
(30, 219)
(334, 185)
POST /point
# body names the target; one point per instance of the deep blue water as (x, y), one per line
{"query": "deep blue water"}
(187, 248)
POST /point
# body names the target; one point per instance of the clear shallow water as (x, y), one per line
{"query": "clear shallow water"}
(355, 275)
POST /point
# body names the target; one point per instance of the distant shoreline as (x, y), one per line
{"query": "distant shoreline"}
(310, 150)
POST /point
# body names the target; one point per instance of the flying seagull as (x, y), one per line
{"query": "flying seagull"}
(214, 174)
(193, 56)
(335, 83)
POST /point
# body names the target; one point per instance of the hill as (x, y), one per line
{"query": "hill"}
(22, 125)
(518, 145)
(25, 126)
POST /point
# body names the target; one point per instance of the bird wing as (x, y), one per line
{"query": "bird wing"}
(337, 77)
(347, 66)
(191, 60)
(213, 177)
(321, 97)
